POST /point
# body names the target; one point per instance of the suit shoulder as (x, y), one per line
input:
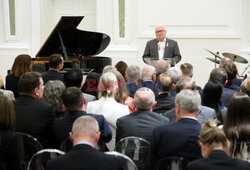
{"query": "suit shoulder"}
(170, 40)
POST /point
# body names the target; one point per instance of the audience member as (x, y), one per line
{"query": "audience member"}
(164, 100)
(175, 73)
(179, 138)
(142, 122)
(245, 86)
(161, 66)
(149, 79)
(237, 125)
(122, 94)
(133, 74)
(231, 73)
(74, 102)
(187, 71)
(108, 68)
(55, 65)
(212, 98)
(91, 84)
(85, 135)
(33, 116)
(121, 66)
(9, 152)
(220, 75)
(205, 114)
(21, 65)
(53, 95)
(215, 148)
(74, 78)
(228, 61)
(106, 105)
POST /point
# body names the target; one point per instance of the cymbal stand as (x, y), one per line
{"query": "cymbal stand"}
(245, 70)
(215, 57)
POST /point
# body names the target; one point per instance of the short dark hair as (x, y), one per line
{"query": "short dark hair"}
(28, 82)
(73, 77)
(55, 60)
(72, 98)
(231, 71)
(218, 75)
(186, 69)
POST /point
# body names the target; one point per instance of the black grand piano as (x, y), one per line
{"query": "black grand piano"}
(74, 44)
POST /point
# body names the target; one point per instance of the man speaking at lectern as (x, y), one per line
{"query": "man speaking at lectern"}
(162, 47)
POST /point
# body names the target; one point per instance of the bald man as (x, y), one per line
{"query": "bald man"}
(162, 47)
(142, 122)
(84, 136)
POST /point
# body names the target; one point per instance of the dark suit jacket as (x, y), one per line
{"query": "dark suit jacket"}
(132, 87)
(62, 127)
(165, 102)
(151, 85)
(51, 75)
(171, 50)
(233, 86)
(35, 118)
(9, 150)
(226, 96)
(175, 139)
(11, 83)
(218, 160)
(84, 157)
(140, 124)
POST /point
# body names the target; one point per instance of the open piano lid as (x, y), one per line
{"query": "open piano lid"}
(76, 42)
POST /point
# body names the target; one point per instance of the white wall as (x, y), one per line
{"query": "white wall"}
(222, 26)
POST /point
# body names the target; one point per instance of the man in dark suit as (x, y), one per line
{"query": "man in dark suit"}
(74, 103)
(205, 114)
(33, 116)
(164, 100)
(73, 78)
(162, 47)
(133, 74)
(179, 138)
(220, 75)
(55, 65)
(142, 122)
(85, 135)
(149, 79)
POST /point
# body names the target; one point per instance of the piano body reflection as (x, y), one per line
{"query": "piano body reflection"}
(73, 44)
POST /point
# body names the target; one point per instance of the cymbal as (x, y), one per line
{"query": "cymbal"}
(217, 55)
(213, 60)
(235, 57)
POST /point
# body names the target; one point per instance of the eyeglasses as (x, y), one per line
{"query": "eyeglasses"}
(159, 31)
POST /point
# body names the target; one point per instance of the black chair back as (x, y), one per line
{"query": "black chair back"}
(28, 146)
(66, 145)
(136, 148)
(171, 163)
(3, 165)
(129, 164)
(39, 159)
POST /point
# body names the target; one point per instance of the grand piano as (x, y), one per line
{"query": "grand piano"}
(75, 44)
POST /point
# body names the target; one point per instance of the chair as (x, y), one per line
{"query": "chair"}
(3, 165)
(129, 165)
(39, 159)
(66, 145)
(28, 146)
(241, 150)
(134, 147)
(171, 163)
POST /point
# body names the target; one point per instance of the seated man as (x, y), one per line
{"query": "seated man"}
(55, 65)
(164, 100)
(148, 79)
(187, 71)
(179, 138)
(175, 73)
(161, 66)
(205, 114)
(74, 103)
(33, 116)
(142, 122)
(85, 135)
(133, 74)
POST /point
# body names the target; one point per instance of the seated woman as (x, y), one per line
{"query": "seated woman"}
(8, 142)
(215, 148)
(237, 125)
(21, 65)
(53, 95)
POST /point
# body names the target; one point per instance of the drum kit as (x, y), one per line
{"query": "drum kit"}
(234, 57)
